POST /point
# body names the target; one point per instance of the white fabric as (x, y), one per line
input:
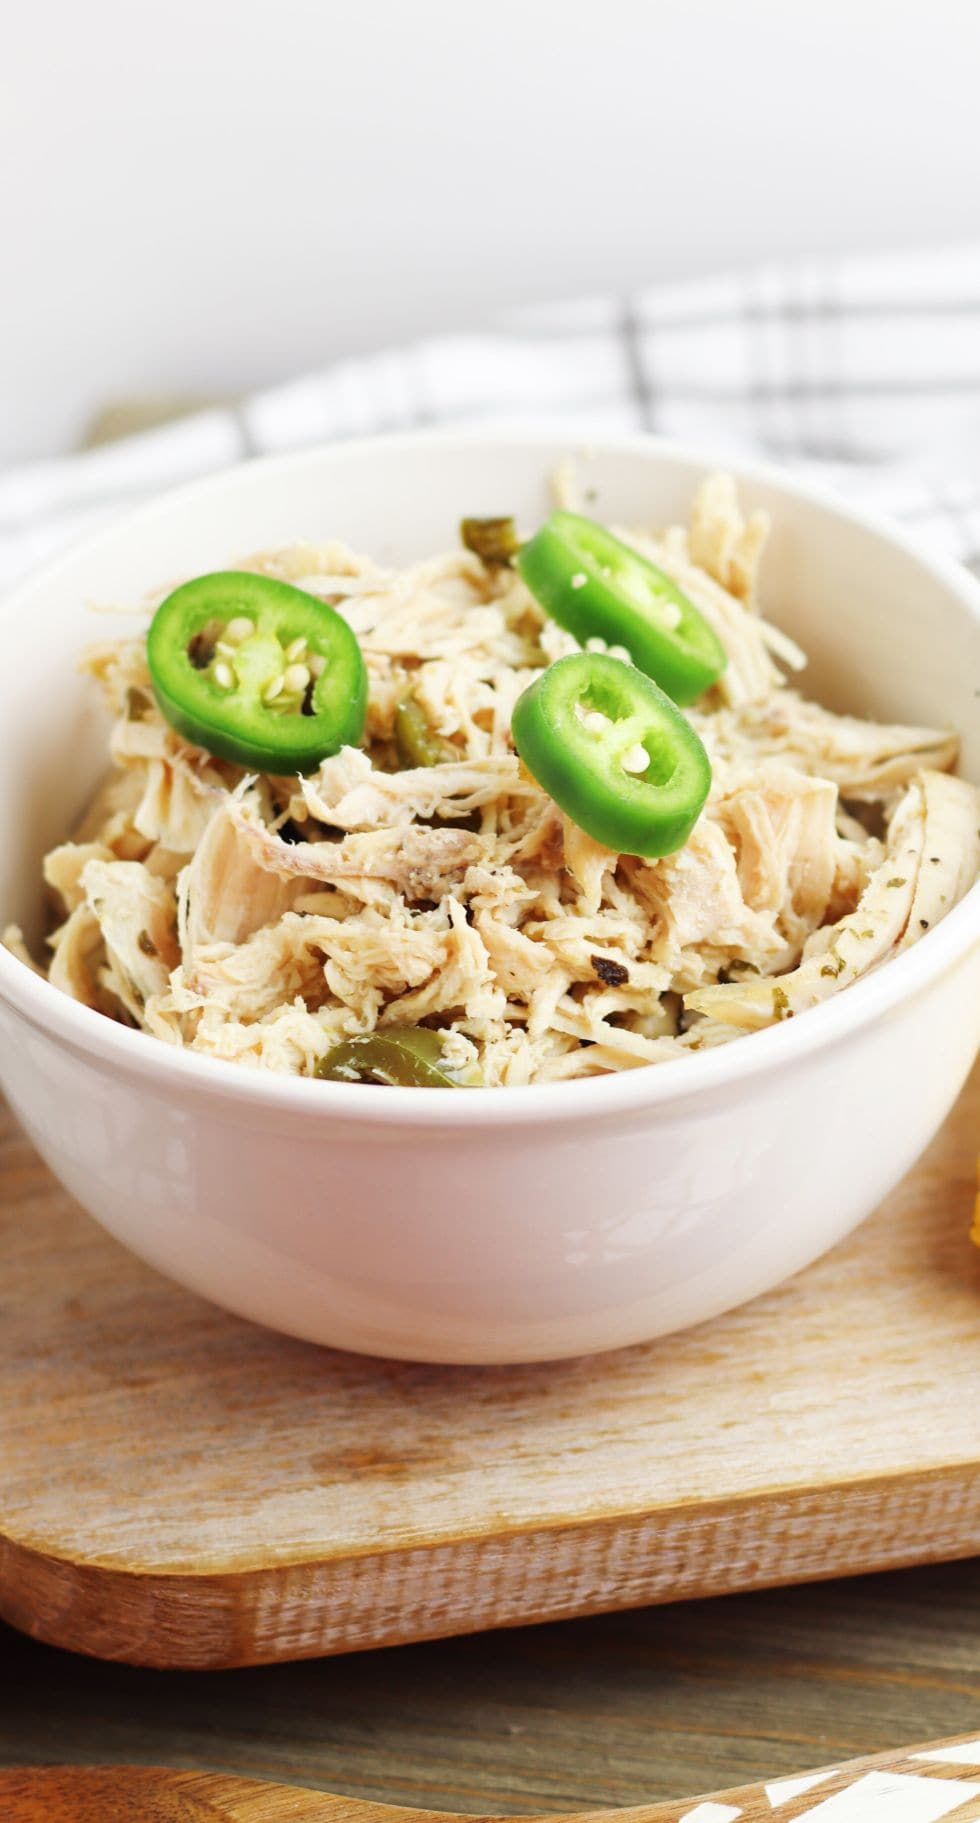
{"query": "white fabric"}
(865, 371)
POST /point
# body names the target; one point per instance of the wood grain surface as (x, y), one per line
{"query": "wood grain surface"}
(917, 1785)
(181, 1488)
(617, 1710)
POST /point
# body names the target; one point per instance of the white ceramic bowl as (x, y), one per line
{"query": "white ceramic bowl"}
(509, 1224)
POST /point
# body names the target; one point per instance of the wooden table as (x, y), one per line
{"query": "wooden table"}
(654, 1703)
(617, 1710)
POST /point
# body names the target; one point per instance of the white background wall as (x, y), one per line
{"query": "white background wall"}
(215, 193)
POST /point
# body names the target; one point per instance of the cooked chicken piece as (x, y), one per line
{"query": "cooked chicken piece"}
(498, 890)
(576, 936)
(63, 868)
(279, 962)
(535, 844)
(465, 981)
(580, 1020)
(327, 569)
(420, 863)
(543, 1003)
(226, 893)
(609, 959)
(459, 1052)
(652, 1015)
(119, 665)
(855, 864)
(136, 914)
(566, 491)
(291, 1040)
(142, 739)
(866, 760)
(587, 862)
(782, 827)
(166, 863)
(556, 642)
(110, 816)
(349, 793)
(951, 851)
(419, 619)
(388, 685)
(707, 1034)
(78, 955)
(453, 696)
(367, 958)
(165, 1017)
(859, 941)
(696, 898)
(176, 805)
(519, 964)
(722, 541)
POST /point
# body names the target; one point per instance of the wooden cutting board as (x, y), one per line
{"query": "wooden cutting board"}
(179, 1488)
(912, 1785)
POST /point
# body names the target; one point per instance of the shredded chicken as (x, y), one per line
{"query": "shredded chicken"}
(263, 920)
(866, 936)
(349, 793)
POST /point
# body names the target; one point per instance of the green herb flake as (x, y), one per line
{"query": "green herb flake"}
(416, 742)
(494, 541)
(138, 704)
(899, 880)
(780, 1004)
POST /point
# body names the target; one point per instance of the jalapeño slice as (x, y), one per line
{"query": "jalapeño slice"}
(257, 671)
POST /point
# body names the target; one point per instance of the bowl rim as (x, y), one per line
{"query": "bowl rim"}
(92, 1035)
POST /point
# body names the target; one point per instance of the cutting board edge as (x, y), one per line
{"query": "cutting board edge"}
(314, 1607)
(71, 1793)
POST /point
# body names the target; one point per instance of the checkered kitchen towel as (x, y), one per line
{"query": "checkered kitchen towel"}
(863, 371)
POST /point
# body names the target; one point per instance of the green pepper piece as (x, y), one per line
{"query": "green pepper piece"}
(599, 588)
(614, 752)
(408, 1056)
(494, 541)
(257, 671)
(415, 740)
